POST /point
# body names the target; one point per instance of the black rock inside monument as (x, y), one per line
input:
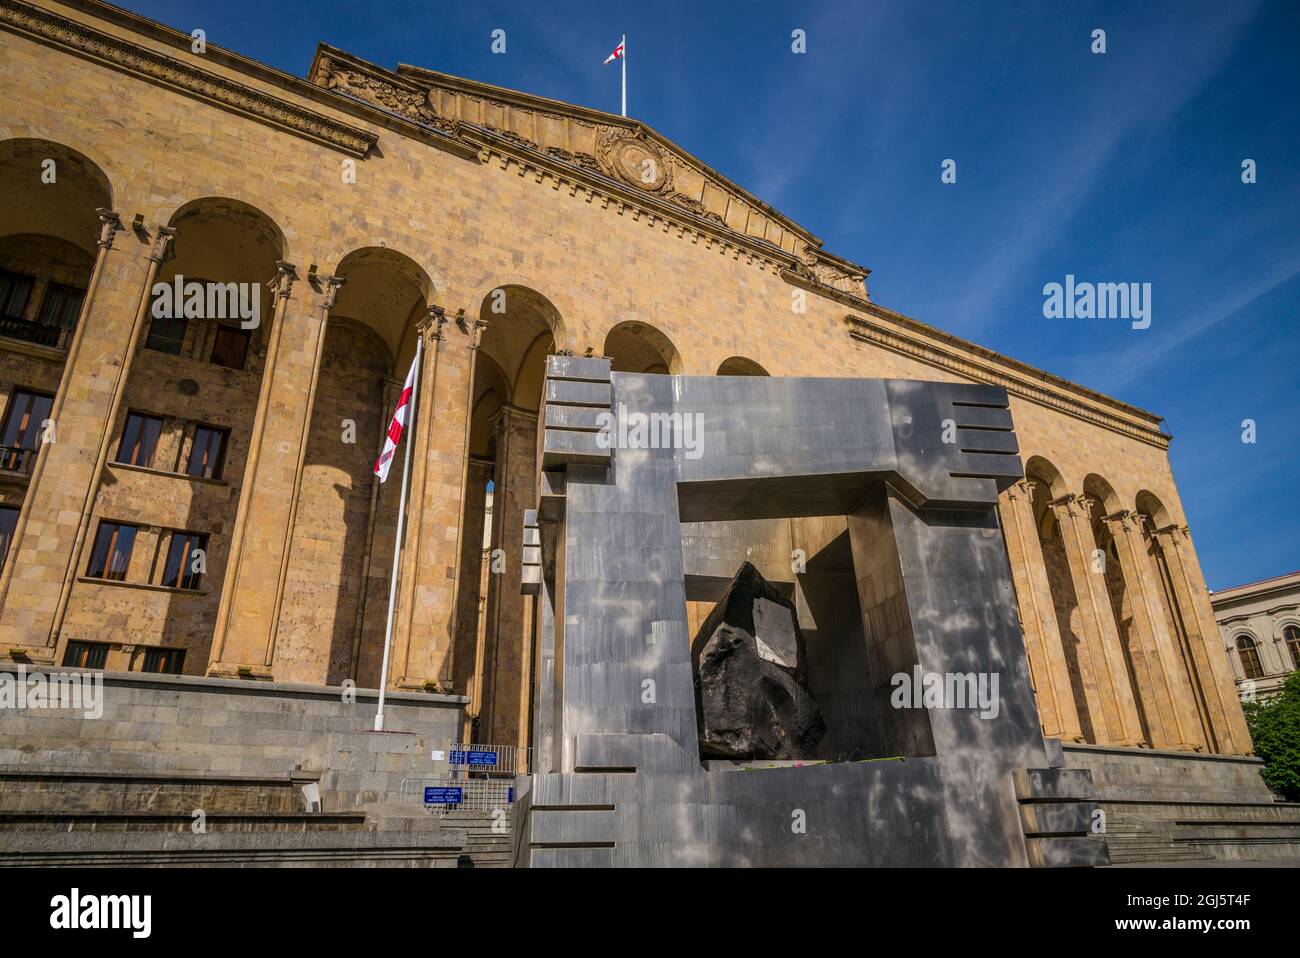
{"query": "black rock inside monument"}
(751, 676)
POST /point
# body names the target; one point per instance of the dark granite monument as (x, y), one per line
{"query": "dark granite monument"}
(869, 506)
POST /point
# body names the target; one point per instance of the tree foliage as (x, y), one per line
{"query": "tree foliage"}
(1275, 729)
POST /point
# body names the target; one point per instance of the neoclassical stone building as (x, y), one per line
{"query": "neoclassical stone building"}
(1260, 625)
(373, 207)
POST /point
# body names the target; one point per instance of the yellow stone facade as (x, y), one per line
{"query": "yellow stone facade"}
(372, 207)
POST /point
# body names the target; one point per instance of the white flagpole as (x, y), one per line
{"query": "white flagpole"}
(409, 436)
(624, 59)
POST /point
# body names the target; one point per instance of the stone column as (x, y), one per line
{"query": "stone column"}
(1192, 611)
(468, 596)
(1168, 690)
(45, 554)
(1043, 644)
(425, 623)
(329, 287)
(1110, 703)
(507, 660)
(243, 640)
(376, 567)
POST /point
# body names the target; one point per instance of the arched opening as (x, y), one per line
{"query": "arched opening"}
(494, 623)
(345, 520)
(1046, 485)
(1149, 506)
(1151, 516)
(1291, 639)
(49, 189)
(637, 347)
(48, 197)
(182, 437)
(389, 292)
(1143, 673)
(740, 366)
(1248, 654)
(211, 304)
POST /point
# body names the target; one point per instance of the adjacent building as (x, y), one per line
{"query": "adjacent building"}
(1260, 625)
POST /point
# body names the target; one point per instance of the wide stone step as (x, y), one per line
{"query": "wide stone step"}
(78, 791)
(312, 849)
(177, 822)
(1186, 832)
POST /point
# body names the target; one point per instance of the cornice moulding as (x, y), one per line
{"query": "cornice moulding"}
(1020, 379)
(51, 29)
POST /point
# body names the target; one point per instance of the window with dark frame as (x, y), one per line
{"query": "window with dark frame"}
(230, 348)
(1249, 655)
(23, 423)
(139, 439)
(1291, 634)
(15, 291)
(110, 557)
(8, 523)
(207, 453)
(85, 655)
(166, 661)
(178, 570)
(61, 306)
(166, 335)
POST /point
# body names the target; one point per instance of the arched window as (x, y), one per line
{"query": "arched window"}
(1291, 635)
(1249, 655)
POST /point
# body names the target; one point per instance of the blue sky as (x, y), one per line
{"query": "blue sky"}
(1122, 167)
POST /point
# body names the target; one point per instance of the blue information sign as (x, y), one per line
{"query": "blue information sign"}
(442, 796)
(479, 759)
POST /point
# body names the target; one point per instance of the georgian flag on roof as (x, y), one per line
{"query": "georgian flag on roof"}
(617, 54)
(400, 418)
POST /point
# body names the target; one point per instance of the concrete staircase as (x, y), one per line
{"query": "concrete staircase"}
(487, 841)
(55, 817)
(1137, 841)
(1187, 808)
(1203, 832)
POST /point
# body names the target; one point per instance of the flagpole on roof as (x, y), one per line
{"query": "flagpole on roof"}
(624, 59)
(401, 522)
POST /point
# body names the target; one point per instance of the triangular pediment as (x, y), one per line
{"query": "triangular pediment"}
(616, 147)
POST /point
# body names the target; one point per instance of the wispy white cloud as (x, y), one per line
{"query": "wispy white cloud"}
(1058, 180)
(1114, 370)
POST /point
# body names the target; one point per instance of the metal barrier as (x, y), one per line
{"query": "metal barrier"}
(476, 761)
(440, 794)
(468, 777)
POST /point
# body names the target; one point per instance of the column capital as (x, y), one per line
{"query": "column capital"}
(435, 318)
(162, 244)
(282, 282)
(1021, 487)
(1065, 502)
(1122, 518)
(332, 286)
(110, 224)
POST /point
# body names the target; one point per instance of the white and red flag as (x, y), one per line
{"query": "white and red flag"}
(400, 418)
(618, 52)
